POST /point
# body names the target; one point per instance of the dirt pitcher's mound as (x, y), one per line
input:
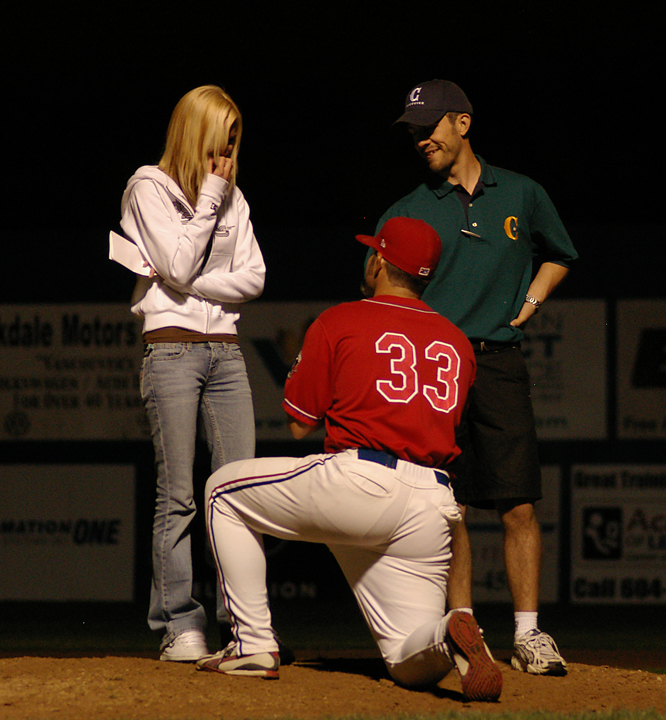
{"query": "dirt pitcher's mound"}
(134, 688)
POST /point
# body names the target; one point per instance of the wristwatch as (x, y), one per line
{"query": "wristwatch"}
(533, 301)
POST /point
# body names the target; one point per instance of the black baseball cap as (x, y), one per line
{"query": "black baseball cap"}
(427, 103)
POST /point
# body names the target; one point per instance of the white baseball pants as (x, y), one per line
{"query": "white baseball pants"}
(389, 529)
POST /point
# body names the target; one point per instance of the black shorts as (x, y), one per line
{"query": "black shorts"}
(499, 459)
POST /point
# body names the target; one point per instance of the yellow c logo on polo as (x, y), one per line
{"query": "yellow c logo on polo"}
(511, 227)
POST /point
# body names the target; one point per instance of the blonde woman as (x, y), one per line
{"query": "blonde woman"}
(192, 226)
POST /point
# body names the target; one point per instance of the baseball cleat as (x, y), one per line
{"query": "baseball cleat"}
(481, 678)
(536, 653)
(287, 656)
(186, 647)
(265, 665)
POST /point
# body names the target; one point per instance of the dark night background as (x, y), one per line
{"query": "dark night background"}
(569, 94)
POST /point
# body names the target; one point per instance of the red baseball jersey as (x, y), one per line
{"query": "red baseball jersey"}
(387, 373)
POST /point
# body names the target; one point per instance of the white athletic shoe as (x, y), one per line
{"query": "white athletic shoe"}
(287, 656)
(536, 653)
(266, 664)
(186, 647)
(480, 676)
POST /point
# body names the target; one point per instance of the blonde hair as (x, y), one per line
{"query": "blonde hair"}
(200, 127)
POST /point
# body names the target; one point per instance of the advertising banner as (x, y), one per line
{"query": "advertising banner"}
(565, 350)
(70, 372)
(641, 369)
(271, 336)
(618, 534)
(489, 584)
(67, 532)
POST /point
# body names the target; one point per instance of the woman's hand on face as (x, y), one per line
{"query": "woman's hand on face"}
(221, 165)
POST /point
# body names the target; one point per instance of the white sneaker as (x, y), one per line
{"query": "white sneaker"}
(536, 653)
(227, 662)
(186, 647)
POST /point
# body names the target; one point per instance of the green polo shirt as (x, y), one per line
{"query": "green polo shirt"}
(489, 243)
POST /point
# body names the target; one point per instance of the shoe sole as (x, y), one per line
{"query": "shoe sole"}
(182, 659)
(265, 674)
(555, 670)
(481, 678)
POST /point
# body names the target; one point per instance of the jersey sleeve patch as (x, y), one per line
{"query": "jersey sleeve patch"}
(294, 366)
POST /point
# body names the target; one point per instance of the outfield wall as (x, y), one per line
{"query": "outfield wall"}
(76, 490)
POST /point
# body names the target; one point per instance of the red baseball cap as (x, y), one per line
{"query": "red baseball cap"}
(410, 244)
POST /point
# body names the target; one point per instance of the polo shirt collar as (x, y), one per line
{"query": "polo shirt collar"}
(444, 187)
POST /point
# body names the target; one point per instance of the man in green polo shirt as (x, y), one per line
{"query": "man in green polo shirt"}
(493, 224)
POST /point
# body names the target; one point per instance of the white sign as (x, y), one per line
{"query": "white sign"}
(489, 583)
(271, 336)
(618, 534)
(70, 372)
(67, 532)
(565, 351)
(641, 369)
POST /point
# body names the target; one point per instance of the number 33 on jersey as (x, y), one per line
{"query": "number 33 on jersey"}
(386, 373)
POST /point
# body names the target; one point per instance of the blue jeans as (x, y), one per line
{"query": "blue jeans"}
(181, 383)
